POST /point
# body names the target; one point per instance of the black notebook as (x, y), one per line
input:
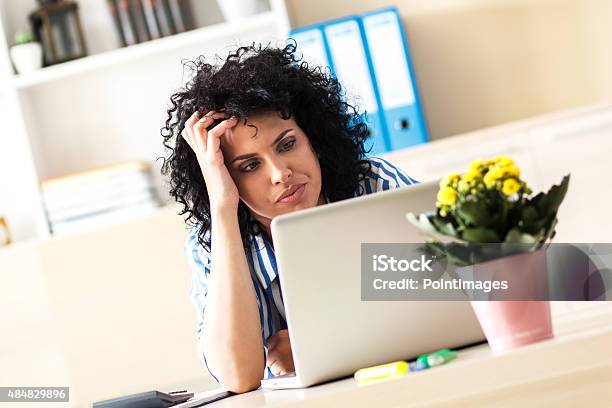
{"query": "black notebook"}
(149, 399)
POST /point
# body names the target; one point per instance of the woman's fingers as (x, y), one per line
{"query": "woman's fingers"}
(203, 141)
(277, 365)
(199, 130)
(194, 131)
(214, 135)
(205, 121)
(187, 132)
(195, 116)
(279, 356)
(277, 369)
(273, 362)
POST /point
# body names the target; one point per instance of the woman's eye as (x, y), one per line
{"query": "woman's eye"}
(287, 146)
(250, 167)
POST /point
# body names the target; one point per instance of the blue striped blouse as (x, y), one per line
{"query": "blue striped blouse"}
(262, 263)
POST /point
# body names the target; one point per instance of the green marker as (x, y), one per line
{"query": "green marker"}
(440, 357)
(421, 363)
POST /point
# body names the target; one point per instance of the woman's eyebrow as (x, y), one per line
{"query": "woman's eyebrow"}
(249, 155)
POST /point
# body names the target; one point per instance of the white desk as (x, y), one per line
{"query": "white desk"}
(573, 369)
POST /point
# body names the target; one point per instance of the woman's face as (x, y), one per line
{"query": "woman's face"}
(273, 165)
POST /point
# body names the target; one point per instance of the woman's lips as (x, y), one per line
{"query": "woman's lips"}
(297, 194)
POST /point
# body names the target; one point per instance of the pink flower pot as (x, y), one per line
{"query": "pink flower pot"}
(512, 323)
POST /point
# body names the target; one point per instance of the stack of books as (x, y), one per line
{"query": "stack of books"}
(99, 197)
(138, 21)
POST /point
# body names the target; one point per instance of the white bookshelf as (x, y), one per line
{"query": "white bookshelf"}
(105, 108)
(155, 48)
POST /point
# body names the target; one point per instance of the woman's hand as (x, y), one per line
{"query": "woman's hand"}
(280, 358)
(206, 144)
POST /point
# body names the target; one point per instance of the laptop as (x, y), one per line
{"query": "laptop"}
(333, 333)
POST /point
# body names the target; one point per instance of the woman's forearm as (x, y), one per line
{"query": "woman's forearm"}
(232, 335)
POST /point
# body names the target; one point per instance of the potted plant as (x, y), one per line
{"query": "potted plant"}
(27, 54)
(488, 224)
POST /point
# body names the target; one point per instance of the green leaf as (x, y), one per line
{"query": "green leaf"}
(548, 203)
(550, 232)
(474, 212)
(413, 219)
(444, 227)
(556, 195)
(480, 235)
(456, 254)
(540, 212)
(424, 223)
(421, 222)
(515, 236)
(529, 214)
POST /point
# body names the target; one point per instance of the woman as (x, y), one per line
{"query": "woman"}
(260, 136)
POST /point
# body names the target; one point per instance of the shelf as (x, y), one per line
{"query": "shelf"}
(165, 210)
(143, 50)
(33, 104)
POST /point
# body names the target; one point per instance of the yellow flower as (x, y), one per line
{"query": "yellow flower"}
(447, 196)
(471, 176)
(476, 165)
(497, 172)
(512, 171)
(448, 180)
(490, 163)
(510, 186)
(493, 175)
(503, 161)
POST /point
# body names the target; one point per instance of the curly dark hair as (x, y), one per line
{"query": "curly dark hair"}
(254, 80)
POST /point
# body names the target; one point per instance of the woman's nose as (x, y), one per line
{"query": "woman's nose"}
(281, 173)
